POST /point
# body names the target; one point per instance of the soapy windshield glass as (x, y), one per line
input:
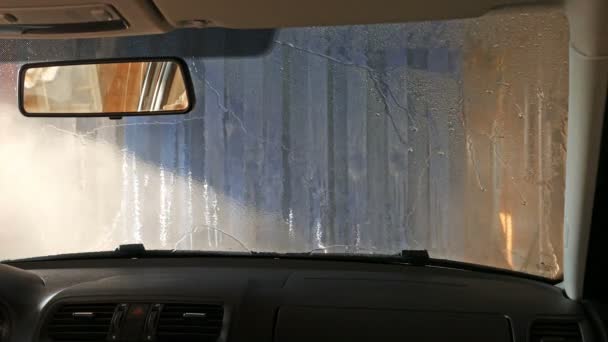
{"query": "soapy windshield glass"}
(447, 136)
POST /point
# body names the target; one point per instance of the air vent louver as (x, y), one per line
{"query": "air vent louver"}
(555, 330)
(190, 322)
(80, 322)
(3, 325)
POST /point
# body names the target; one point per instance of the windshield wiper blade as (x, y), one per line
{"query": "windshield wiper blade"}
(418, 257)
(130, 251)
(138, 250)
(343, 250)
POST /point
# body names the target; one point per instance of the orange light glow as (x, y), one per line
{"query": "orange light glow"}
(507, 230)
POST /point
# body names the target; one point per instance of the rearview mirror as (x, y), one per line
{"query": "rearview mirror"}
(105, 88)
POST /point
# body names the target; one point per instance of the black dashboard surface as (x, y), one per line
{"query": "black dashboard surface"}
(298, 300)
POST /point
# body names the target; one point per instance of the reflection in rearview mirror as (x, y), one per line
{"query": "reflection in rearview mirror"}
(105, 89)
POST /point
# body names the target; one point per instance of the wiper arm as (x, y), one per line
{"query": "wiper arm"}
(415, 257)
(133, 250)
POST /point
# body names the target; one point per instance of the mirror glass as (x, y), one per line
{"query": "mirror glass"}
(125, 88)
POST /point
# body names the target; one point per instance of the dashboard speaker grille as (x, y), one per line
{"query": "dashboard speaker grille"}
(555, 330)
(80, 322)
(190, 322)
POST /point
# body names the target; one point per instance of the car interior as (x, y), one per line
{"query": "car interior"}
(67, 274)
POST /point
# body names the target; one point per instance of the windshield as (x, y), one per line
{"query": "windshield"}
(447, 136)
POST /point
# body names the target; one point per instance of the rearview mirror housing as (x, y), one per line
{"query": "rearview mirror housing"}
(106, 88)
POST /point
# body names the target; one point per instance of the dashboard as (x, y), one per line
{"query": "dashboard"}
(272, 299)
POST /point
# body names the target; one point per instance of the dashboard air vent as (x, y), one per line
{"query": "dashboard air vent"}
(80, 322)
(555, 330)
(190, 322)
(3, 325)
